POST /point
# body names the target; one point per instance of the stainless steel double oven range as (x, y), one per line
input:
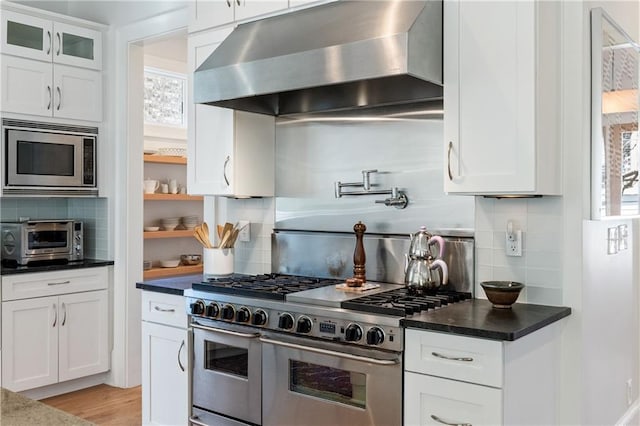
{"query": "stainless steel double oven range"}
(290, 350)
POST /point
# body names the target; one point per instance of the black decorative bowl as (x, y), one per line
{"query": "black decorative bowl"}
(502, 294)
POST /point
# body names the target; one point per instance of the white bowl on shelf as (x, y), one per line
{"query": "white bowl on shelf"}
(151, 228)
(171, 263)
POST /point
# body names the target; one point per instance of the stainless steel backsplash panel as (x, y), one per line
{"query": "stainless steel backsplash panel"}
(330, 255)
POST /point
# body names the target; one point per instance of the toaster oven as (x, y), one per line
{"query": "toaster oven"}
(42, 240)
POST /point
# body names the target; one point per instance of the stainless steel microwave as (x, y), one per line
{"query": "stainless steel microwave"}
(48, 159)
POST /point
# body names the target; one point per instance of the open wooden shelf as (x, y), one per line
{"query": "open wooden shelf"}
(170, 272)
(180, 233)
(175, 197)
(164, 159)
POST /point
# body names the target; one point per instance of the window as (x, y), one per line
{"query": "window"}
(165, 96)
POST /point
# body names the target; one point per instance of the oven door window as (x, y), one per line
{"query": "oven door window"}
(332, 384)
(35, 158)
(47, 240)
(226, 359)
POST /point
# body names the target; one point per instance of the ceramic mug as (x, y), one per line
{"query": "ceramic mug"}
(164, 188)
(173, 186)
(150, 186)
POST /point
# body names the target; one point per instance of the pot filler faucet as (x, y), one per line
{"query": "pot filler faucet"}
(397, 199)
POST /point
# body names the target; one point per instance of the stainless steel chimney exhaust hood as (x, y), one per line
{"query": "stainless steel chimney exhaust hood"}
(338, 56)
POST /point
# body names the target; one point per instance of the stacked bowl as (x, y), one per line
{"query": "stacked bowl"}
(190, 222)
(169, 224)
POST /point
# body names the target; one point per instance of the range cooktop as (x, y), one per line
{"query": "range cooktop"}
(265, 286)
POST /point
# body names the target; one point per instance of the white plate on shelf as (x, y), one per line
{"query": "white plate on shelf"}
(151, 228)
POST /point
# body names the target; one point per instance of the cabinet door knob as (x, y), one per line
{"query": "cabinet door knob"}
(64, 315)
(59, 44)
(59, 97)
(55, 315)
(50, 40)
(49, 90)
(180, 351)
(224, 170)
(449, 160)
(228, 3)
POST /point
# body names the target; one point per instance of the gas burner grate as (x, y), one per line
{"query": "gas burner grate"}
(265, 286)
(404, 301)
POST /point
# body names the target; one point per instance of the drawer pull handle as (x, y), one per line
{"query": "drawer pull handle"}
(451, 358)
(60, 283)
(157, 308)
(439, 420)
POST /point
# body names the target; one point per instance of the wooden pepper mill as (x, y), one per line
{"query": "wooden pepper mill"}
(359, 258)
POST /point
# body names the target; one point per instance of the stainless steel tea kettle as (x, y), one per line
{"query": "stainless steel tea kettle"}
(423, 270)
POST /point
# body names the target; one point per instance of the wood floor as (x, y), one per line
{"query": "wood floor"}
(102, 405)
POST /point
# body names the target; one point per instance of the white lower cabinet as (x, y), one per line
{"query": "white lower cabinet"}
(435, 401)
(54, 338)
(165, 360)
(454, 379)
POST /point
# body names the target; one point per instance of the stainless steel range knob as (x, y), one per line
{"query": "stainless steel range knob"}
(243, 315)
(304, 325)
(353, 333)
(197, 307)
(375, 336)
(285, 321)
(259, 317)
(213, 310)
(228, 312)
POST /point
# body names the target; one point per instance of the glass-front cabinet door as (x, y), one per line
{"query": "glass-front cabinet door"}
(26, 36)
(35, 38)
(77, 46)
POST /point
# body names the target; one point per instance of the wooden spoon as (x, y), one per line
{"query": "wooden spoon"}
(225, 239)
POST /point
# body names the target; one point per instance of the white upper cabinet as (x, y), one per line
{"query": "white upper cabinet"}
(501, 98)
(50, 69)
(44, 40)
(205, 14)
(31, 87)
(230, 152)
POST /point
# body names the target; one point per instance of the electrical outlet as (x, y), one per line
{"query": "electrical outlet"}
(513, 243)
(245, 231)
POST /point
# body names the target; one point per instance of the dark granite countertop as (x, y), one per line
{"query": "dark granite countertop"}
(174, 285)
(48, 267)
(478, 318)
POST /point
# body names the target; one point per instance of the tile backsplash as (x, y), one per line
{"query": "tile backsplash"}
(539, 268)
(252, 257)
(92, 211)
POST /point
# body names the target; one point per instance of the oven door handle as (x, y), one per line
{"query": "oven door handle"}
(331, 353)
(195, 420)
(229, 332)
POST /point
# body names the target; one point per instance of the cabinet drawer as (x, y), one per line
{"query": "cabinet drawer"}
(434, 401)
(457, 357)
(164, 308)
(24, 286)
